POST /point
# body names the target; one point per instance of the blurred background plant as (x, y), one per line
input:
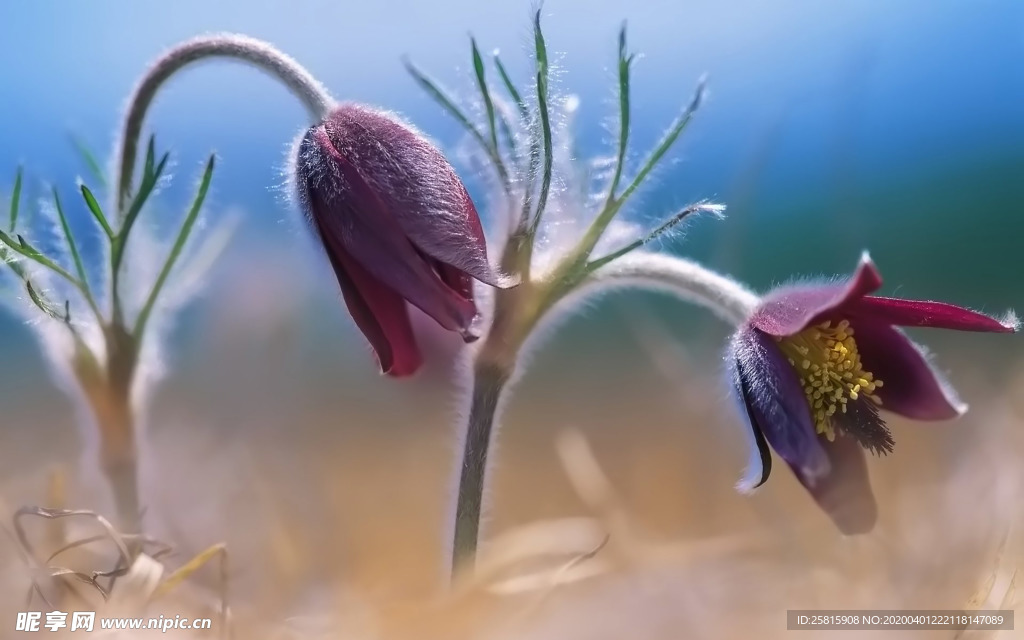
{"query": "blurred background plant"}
(106, 353)
(93, 328)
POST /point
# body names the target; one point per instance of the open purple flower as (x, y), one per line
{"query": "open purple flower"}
(813, 365)
(397, 225)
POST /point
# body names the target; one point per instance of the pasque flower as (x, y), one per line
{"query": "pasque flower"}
(398, 226)
(815, 363)
(812, 364)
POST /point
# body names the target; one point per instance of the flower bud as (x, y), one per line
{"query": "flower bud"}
(397, 225)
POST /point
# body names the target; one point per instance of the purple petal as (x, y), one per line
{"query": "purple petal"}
(417, 185)
(910, 385)
(925, 313)
(791, 309)
(776, 403)
(462, 284)
(380, 314)
(458, 280)
(355, 218)
(759, 463)
(845, 492)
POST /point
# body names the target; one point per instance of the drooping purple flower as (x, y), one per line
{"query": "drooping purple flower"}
(398, 226)
(815, 363)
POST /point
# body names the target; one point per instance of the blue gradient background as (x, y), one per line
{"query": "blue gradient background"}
(830, 127)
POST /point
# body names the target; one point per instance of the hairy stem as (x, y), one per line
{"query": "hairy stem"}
(488, 383)
(255, 52)
(108, 393)
(517, 314)
(681, 278)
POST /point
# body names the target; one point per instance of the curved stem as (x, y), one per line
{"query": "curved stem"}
(682, 278)
(255, 52)
(109, 392)
(495, 362)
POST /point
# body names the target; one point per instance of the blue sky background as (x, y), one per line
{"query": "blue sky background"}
(830, 127)
(889, 85)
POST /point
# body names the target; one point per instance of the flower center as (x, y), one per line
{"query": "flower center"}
(826, 360)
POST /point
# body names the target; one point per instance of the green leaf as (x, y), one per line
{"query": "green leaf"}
(657, 232)
(540, 46)
(16, 200)
(24, 248)
(614, 205)
(147, 169)
(149, 182)
(179, 244)
(524, 111)
(215, 241)
(669, 139)
(89, 158)
(72, 246)
(446, 102)
(97, 212)
(481, 81)
(151, 175)
(624, 64)
(7, 258)
(45, 306)
(533, 161)
(53, 310)
(508, 136)
(545, 123)
(506, 130)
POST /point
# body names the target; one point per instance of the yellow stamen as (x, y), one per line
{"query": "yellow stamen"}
(827, 362)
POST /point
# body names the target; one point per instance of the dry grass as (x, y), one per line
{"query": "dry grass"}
(328, 493)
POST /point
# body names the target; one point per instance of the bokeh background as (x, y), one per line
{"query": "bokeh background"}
(830, 128)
